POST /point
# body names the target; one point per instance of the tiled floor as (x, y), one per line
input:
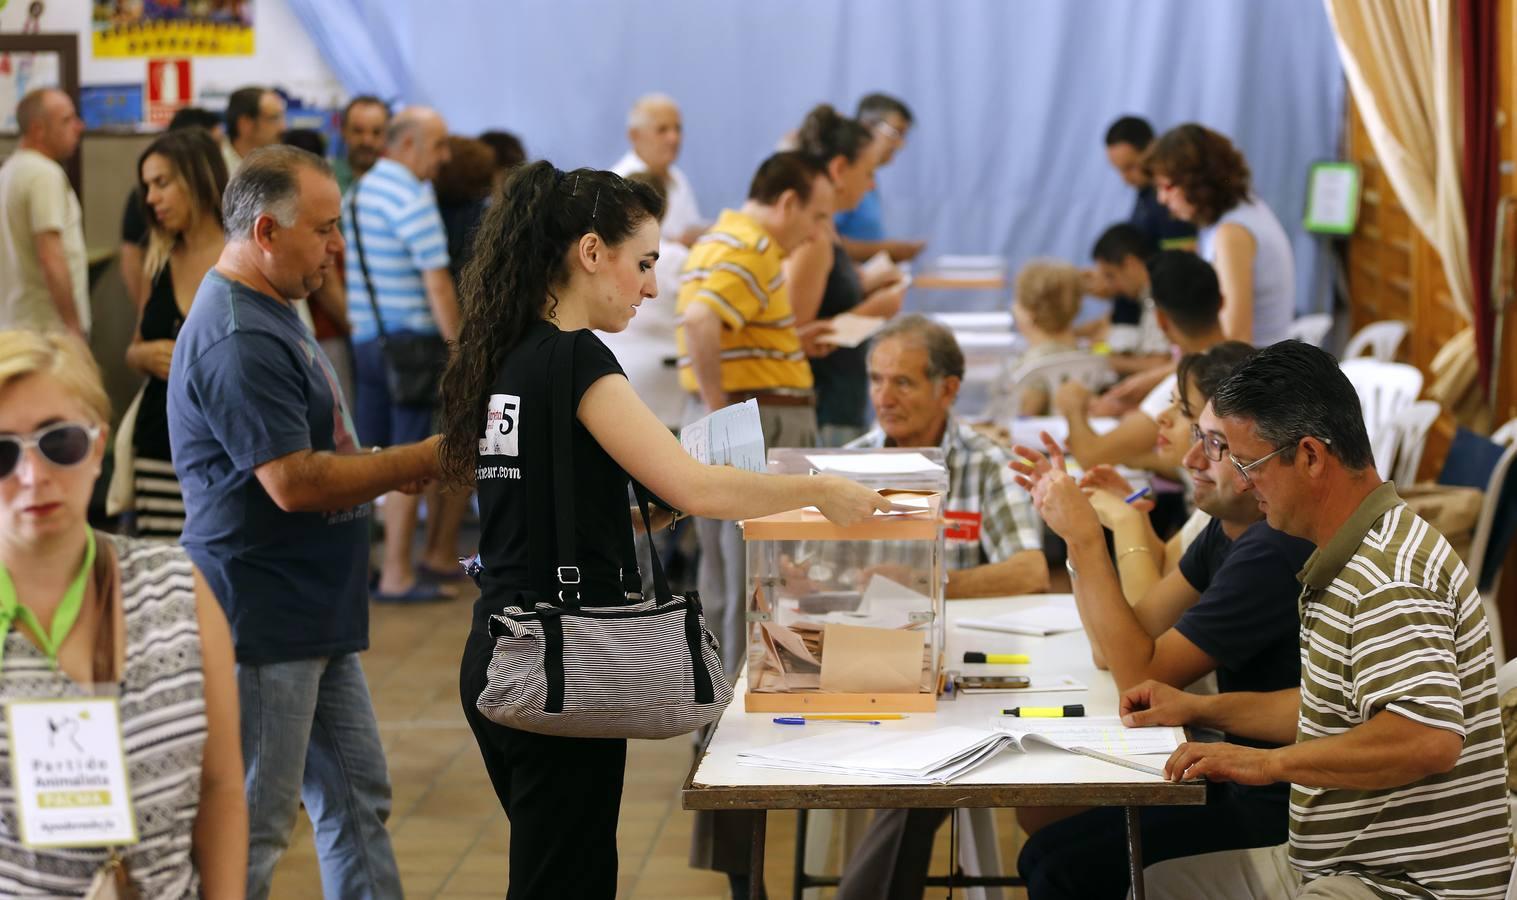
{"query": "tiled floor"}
(450, 834)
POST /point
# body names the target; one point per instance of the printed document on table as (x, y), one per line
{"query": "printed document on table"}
(1106, 734)
(731, 436)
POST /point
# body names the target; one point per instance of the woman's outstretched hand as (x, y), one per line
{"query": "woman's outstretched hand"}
(846, 502)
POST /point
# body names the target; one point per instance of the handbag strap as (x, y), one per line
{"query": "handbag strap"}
(363, 263)
(565, 567)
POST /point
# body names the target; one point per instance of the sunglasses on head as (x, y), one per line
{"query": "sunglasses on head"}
(63, 444)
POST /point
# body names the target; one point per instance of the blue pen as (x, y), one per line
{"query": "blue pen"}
(796, 720)
(1139, 494)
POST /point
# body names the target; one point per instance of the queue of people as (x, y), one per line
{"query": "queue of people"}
(1324, 631)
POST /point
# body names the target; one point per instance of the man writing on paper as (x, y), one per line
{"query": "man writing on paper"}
(1226, 609)
(1189, 303)
(1392, 740)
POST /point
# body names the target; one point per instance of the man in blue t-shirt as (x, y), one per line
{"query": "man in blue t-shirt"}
(1229, 608)
(277, 495)
(862, 229)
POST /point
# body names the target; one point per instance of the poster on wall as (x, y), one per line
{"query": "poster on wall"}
(125, 28)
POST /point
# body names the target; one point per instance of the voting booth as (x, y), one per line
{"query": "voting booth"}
(849, 619)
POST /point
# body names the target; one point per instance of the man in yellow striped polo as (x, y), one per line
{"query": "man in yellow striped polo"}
(737, 340)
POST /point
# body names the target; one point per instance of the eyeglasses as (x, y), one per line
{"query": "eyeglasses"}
(1215, 448)
(887, 130)
(65, 444)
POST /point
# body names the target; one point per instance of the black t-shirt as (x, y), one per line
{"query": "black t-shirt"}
(1246, 618)
(515, 459)
(1155, 220)
(842, 376)
(134, 225)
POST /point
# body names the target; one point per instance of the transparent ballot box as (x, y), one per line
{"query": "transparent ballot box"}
(846, 619)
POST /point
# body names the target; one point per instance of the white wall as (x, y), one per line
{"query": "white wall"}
(284, 56)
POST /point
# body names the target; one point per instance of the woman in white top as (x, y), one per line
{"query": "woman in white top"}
(1204, 179)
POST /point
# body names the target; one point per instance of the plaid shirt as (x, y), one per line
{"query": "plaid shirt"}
(989, 515)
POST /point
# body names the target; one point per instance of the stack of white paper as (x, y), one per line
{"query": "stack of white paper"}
(730, 436)
(873, 463)
(1057, 615)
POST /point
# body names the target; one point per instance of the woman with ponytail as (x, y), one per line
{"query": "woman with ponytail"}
(558, 256)
(825, 282)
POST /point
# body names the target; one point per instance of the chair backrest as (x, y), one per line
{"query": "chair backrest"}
(1411, 426)
(1310, 329)
(1050, 372)
(1506, 436)
(1381, 339)
(1385, 389)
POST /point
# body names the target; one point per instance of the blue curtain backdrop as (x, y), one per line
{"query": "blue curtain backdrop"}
(1012, 96)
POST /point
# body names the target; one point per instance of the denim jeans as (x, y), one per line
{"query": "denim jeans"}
(308, 733)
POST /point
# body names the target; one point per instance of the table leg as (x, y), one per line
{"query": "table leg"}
(1134, 853)
(756, 856)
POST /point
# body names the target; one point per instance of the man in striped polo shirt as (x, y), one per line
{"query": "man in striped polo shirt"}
(737, 340)
(400, 238)
(1397, 767)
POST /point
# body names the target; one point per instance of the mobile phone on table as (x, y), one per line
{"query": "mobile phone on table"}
(982, 682)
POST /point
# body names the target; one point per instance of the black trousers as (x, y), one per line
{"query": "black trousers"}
(1084, 857)
(562, 795)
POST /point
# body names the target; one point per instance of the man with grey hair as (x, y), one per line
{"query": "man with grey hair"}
(655, 131)
(398, 266)
(46, 281)
(993, 545)
(277, 497)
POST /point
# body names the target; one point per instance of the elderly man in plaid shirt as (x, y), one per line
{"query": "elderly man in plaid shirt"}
(993, 542)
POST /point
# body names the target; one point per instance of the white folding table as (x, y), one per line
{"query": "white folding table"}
(1040, 777)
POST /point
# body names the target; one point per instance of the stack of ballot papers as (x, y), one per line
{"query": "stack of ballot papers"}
(941, 755)
(1056, 614)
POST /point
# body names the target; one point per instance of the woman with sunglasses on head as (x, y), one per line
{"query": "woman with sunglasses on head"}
(181, 176)
(558, 256)
(84, 614)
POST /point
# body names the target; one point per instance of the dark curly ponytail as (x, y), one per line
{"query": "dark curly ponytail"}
(518, 259)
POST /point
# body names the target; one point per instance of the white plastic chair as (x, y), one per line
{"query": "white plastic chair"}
(1381, 339)
(1506, 436)
(1310, 329)
(1385, 389)
(1048, 373)
(1410, 426)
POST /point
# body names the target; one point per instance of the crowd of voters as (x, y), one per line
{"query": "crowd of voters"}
(1358, 749)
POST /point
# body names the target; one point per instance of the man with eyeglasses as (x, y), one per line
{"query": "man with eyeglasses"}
(862, 229)
(1226, 609)
(1392, 740)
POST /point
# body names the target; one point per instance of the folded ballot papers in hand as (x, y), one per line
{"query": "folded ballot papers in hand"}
(1056, 613)
(851, 330)
(943, 754)
(730, 436)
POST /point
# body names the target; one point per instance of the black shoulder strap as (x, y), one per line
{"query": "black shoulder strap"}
(561, 457)
(363, 262)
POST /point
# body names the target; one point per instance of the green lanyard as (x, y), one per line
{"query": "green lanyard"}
(63, 620)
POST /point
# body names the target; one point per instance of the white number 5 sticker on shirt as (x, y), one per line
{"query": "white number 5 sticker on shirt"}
(69, 771)
(501, 426)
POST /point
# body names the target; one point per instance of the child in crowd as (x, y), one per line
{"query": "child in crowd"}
(1046, 301)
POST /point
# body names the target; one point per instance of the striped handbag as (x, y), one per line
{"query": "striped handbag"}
(572, 668)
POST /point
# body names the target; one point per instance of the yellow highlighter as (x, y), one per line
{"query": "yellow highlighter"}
(1070, 711)
(1003, 659)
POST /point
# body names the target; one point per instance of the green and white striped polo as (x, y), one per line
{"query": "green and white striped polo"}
(1391, 620)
